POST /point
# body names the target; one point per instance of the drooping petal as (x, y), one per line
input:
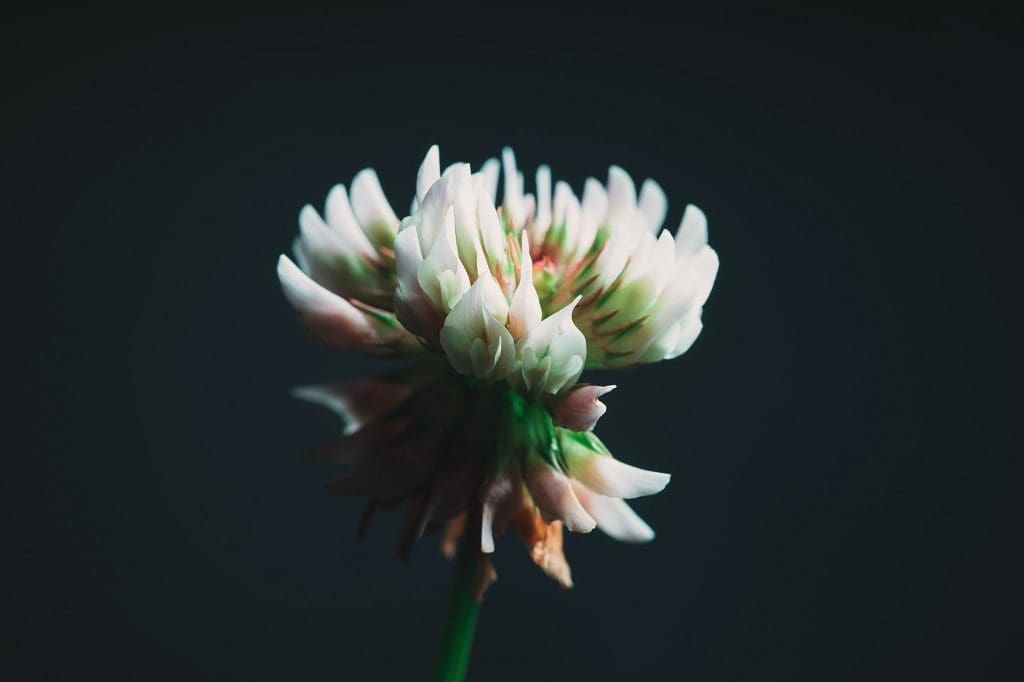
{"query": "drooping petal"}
(613, 516)
(588, 462)
(551, 491)
(358, 401)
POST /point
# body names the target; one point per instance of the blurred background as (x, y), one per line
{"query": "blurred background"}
(844, 437)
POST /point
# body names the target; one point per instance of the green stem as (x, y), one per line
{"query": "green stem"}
(460, 621)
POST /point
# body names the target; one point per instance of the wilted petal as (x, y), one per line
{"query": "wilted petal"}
(580, 408)
(357, 402)
(588, 462)
(552, 492)
(614, 517)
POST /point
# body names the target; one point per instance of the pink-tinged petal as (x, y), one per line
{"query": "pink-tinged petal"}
(614, 517)
(552, 493)
(333, 319)
(580, 409)
(357, 402)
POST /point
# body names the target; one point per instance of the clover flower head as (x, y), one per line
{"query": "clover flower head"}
(503, 306)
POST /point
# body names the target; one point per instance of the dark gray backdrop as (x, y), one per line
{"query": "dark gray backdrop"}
(842, 436)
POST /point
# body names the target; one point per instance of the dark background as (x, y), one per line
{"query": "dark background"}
(843, 436)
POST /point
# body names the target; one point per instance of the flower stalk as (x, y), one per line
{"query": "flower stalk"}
(460, 619)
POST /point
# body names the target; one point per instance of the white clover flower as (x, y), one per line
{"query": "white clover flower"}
(517, 299)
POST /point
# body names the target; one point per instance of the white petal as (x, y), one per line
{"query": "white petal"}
(525, 312)
(442, 276)
(318, 239)
(330, 317)
(593, 209)
(608, 476)
(513, 200)
(542, 220)
(489, 171)
(689, 329)
(621, 197)
(653, 205)
(613, 256)
(429, 172)
(693, 231)
(412, 306)
(613, 516)
(343, 221)
(372, 208)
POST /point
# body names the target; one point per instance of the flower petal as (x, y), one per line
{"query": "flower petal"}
(580, 409)
(429, 172)
(653, 205)
(343, 221)
(588, 461)
(552, 493)
(614, 517)
(357, 402)
(372, 209)
(525, 312)
(333, 319)
(693, 230)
